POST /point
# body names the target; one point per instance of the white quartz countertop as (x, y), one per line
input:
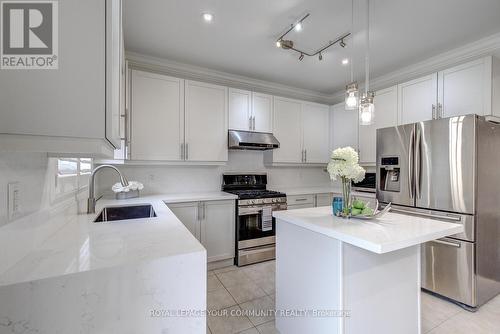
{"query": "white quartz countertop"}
(318, 190)
(390, 233)
(81, 245)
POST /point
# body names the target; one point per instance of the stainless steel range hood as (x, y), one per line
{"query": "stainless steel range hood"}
(246, 140)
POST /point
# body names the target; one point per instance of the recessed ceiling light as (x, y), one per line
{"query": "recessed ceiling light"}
(208, 17)
(345, 61)
(298, 26)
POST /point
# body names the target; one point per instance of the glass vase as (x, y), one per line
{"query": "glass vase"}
(346, 196)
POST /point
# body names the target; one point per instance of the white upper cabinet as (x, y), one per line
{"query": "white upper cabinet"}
(343, 127)
(386, 114)
(288, 130)
(206, 122)
(315, 125)
(460, 90)
(157, 117)
(262, 112)
(250, 111)
(73, 109)
(302, 130)
(466, 89)
(417, 100)
(240, 109)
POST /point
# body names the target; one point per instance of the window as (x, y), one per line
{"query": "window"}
(71, 176)
(73, 166)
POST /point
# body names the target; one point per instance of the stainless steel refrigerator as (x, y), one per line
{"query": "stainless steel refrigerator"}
(448, 169)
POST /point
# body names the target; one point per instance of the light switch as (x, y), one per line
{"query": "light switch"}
(14, 200)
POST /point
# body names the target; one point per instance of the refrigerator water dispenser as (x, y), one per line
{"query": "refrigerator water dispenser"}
(389, 174)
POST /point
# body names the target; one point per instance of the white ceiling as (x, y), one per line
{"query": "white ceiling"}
(241, 39)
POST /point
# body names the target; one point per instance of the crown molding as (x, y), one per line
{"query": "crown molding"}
(484, 47)
(192, 72)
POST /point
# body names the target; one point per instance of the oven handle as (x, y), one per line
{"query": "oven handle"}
(257, 210)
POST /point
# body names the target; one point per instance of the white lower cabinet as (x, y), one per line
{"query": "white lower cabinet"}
(212, 223)
(324, 199)
(309, 200)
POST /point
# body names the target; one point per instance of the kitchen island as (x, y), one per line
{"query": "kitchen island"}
(336, 275)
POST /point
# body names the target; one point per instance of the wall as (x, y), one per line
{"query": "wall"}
(161, 179)
(35, 173)
(496, 85)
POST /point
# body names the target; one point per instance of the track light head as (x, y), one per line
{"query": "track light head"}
(301, 56)
(320, 56)
(285, 44)
(342, 44)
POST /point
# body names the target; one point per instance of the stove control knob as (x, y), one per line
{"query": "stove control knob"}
(275, 200)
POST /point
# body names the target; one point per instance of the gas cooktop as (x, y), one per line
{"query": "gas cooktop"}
(256, 193)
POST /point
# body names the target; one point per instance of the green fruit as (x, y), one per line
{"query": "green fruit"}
(358, 204)
(355, 211)
(367, 211)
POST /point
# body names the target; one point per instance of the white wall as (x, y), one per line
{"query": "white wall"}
(496, 85)
(158, 179)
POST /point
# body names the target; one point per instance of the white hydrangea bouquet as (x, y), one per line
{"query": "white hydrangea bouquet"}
(344, 165)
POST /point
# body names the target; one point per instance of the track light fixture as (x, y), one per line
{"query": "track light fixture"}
(297, 26)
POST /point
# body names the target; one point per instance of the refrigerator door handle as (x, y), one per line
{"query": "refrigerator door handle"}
(428, 215)
(418, 180)
(447, 243)
(410, 162)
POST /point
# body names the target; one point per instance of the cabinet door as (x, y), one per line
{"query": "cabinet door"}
(157, 117)
(206, 122)
(240, 112)
(386, 114)
(262, 111)
(70, 101)
(466, 89)
(218, 229)
(315, 120)
(113, 71)
(343, 127)
(417, 99)
(188, 214)
(288, 130)
(324, 199)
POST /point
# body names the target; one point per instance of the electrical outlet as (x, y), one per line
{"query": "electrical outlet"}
(14, 200)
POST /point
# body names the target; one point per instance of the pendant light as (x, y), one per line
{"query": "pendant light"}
(366, 106)
(351, 90)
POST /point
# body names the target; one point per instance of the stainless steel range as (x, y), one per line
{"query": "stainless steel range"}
(255, 226)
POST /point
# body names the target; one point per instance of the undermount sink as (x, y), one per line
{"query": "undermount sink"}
(125, 212)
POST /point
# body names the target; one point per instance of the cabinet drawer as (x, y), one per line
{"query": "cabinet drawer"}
(300, 206)
(324, 199)
(300, 199)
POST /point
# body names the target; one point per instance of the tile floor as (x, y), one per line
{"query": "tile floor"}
(231, 290)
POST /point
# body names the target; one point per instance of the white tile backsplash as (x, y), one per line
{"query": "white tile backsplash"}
(171, 179)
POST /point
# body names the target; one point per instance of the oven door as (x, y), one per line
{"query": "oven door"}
(250, 232)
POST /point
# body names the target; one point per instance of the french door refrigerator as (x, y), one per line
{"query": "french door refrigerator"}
(448, 169)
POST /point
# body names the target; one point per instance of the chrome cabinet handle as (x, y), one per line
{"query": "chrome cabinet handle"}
(305, 155)
(250, 123)
(186, 148)
(410, 162)
(182, 151)
(434, 114)
(300, 199)
(418, 180)
(439, 111)
(204, 211)
(447, 243)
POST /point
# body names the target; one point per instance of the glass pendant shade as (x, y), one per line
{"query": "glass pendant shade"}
(367, 109)
(351, 96)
